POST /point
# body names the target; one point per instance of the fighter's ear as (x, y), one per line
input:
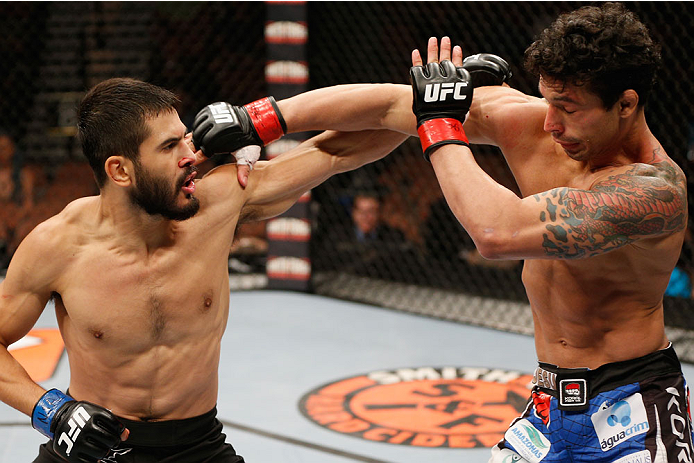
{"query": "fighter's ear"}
(120, 170)
(628, 102)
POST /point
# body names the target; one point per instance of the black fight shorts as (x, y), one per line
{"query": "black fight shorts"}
(193, 440)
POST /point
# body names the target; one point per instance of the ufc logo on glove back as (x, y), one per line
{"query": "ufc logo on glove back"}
(440, 91)
(79, 418)
(221, 113)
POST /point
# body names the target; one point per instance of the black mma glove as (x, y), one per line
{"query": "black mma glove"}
(441, 98)
(81, 431)
(221, 128)
(487, 69)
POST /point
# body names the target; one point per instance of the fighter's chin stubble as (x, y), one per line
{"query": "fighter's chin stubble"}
(156, 197)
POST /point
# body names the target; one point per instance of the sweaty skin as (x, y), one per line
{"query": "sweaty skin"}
(602, 216)
(142, 302)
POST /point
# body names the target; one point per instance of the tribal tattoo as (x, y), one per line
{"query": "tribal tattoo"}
(647, 200)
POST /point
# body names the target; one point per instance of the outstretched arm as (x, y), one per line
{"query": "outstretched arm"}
(223, 128)
(495, 115)
(351, 108)
(277, 184)
(273, 186)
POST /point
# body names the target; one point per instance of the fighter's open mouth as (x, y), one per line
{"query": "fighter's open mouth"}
(189, 184)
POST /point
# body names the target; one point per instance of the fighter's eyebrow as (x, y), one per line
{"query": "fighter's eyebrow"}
(168, 141)
(566, 99)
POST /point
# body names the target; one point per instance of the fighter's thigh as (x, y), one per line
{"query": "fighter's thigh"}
(46, 456)
(527, 439)
(670, 433)
(500, 455)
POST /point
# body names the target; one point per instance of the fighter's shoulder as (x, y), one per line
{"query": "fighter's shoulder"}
(218, 174)
(500, 113)
(71, 222)
(58, 226)
(46, 251)
(668, 169)
(220, 186)
(509, 97)
(661, 170)
(660, 184)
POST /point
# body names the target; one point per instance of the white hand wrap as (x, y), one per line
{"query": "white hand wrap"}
(247, 156)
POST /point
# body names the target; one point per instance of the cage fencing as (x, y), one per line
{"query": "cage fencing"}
(423, 261)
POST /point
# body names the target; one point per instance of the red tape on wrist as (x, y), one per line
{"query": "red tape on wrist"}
(437, 130)
(265, 120)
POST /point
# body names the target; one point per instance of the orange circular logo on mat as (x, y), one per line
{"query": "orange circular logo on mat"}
(454, 407)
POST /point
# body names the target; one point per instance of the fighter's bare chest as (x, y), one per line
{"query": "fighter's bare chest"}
(169, 293)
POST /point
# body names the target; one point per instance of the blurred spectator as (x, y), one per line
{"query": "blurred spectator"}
(366, 219)
(366, 246)
(65, 183)
(17, 183)
(367, 224)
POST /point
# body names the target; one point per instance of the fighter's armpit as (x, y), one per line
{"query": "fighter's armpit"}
(644, 201)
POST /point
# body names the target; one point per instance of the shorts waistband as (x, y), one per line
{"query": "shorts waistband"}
(610, 375)
(169, 432)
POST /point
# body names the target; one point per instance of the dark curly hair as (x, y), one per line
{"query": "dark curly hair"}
(603, 47)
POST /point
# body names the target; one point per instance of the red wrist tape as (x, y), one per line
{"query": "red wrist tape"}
(435, 131)
(266, 119)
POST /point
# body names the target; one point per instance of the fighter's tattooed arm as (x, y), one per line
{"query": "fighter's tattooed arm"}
(645, 201)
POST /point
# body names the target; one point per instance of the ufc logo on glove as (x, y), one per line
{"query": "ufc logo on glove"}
(76, 422)
(221, 113)
(439, 92)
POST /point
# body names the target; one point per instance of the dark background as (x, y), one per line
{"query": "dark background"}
(52, 52)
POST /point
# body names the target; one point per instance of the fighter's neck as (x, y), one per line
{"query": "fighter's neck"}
(635, 144)
(132, 227)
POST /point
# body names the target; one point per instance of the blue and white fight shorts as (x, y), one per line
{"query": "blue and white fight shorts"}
(636, 411)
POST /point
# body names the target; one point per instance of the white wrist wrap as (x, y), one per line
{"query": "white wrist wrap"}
(247, 156)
